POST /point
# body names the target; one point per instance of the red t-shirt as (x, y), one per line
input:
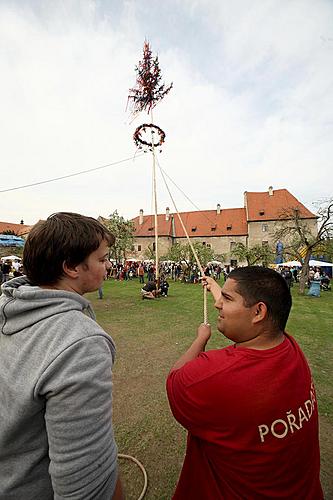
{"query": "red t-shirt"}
(253, 424)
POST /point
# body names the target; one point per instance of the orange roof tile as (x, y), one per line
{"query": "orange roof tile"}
(263, 206)
(230, 221)
(18, 229)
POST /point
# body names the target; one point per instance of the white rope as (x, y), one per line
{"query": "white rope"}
(205, 316)
(143, 470)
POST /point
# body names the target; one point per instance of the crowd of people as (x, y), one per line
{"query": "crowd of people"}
(292, 275)
(152, 288)
(250, 409)
(10, 268)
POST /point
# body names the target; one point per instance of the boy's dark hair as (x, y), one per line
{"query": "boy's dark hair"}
(260, 284)
(63, 237)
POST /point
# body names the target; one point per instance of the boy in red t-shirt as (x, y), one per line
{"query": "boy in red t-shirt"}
(250, 409)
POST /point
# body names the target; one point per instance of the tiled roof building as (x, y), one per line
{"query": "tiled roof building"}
(221, 228)
(18, 229)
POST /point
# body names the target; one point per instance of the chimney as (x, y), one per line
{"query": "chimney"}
(141, 216)
(218, 209)
(167, 213)
(22, 222)
(270, 190)
(245, 205)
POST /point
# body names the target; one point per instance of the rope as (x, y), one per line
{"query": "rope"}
(189, 199)
(205, 315)
(70, 175)
(143, 470)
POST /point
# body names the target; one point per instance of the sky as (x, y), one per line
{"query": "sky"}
(251, 104)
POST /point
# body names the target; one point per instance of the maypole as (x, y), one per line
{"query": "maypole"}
(143, 97)
(155, 204)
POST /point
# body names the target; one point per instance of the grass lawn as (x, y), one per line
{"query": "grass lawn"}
(150, 336)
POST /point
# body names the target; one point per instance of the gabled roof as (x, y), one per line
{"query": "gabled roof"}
(19, 229)
(204, 223)
(147, 227)
(263, 206)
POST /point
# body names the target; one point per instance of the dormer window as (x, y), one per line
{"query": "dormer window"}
(194, 228)
(262, 212)
(213, 228)
(229, 227)
(150, 228)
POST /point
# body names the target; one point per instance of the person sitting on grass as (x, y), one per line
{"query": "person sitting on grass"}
(164, 286)
(250, 408)
(149, 290)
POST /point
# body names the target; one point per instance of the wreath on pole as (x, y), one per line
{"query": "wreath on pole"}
(148, 131)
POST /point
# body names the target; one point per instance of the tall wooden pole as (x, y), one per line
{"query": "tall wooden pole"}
(155, 202)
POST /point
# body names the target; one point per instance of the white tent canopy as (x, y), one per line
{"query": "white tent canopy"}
(10, 257)
(320, 263)
(290, 263)
(312, 263)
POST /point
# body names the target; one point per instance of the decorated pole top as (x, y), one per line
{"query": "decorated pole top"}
(149, 89)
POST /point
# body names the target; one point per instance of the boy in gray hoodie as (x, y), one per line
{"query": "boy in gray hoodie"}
(56, 435)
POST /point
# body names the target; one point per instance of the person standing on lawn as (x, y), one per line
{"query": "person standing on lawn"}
(56, 434)
(250, 409)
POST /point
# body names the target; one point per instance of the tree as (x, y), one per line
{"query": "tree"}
(123, 231)
(149, 253)
(9, 232)
(299, 241)
(183, 252)
(325, 250)
(262, 254)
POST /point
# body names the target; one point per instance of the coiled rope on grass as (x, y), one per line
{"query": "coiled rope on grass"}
(143, 470)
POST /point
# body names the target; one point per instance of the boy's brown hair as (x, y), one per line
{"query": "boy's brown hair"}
(63, 237)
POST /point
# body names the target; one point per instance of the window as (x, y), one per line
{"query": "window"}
(150, 228)
(154, 246)
(208, 245)
(139, 248)
(264, 228)
(232, 245)
(265, 243)
(204, 243)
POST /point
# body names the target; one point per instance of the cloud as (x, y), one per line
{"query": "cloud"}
(251, 105)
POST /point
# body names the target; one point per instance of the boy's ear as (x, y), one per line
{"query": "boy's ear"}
(260, 312)
(71, 272)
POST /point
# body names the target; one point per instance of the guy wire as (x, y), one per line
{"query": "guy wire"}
(191, 246)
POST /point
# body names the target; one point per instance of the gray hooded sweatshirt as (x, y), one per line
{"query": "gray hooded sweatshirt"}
(56, 435)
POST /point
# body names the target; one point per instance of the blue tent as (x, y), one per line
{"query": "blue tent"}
(10, 240)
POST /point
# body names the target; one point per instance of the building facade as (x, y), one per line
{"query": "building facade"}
(21, 230)
(221, 229)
